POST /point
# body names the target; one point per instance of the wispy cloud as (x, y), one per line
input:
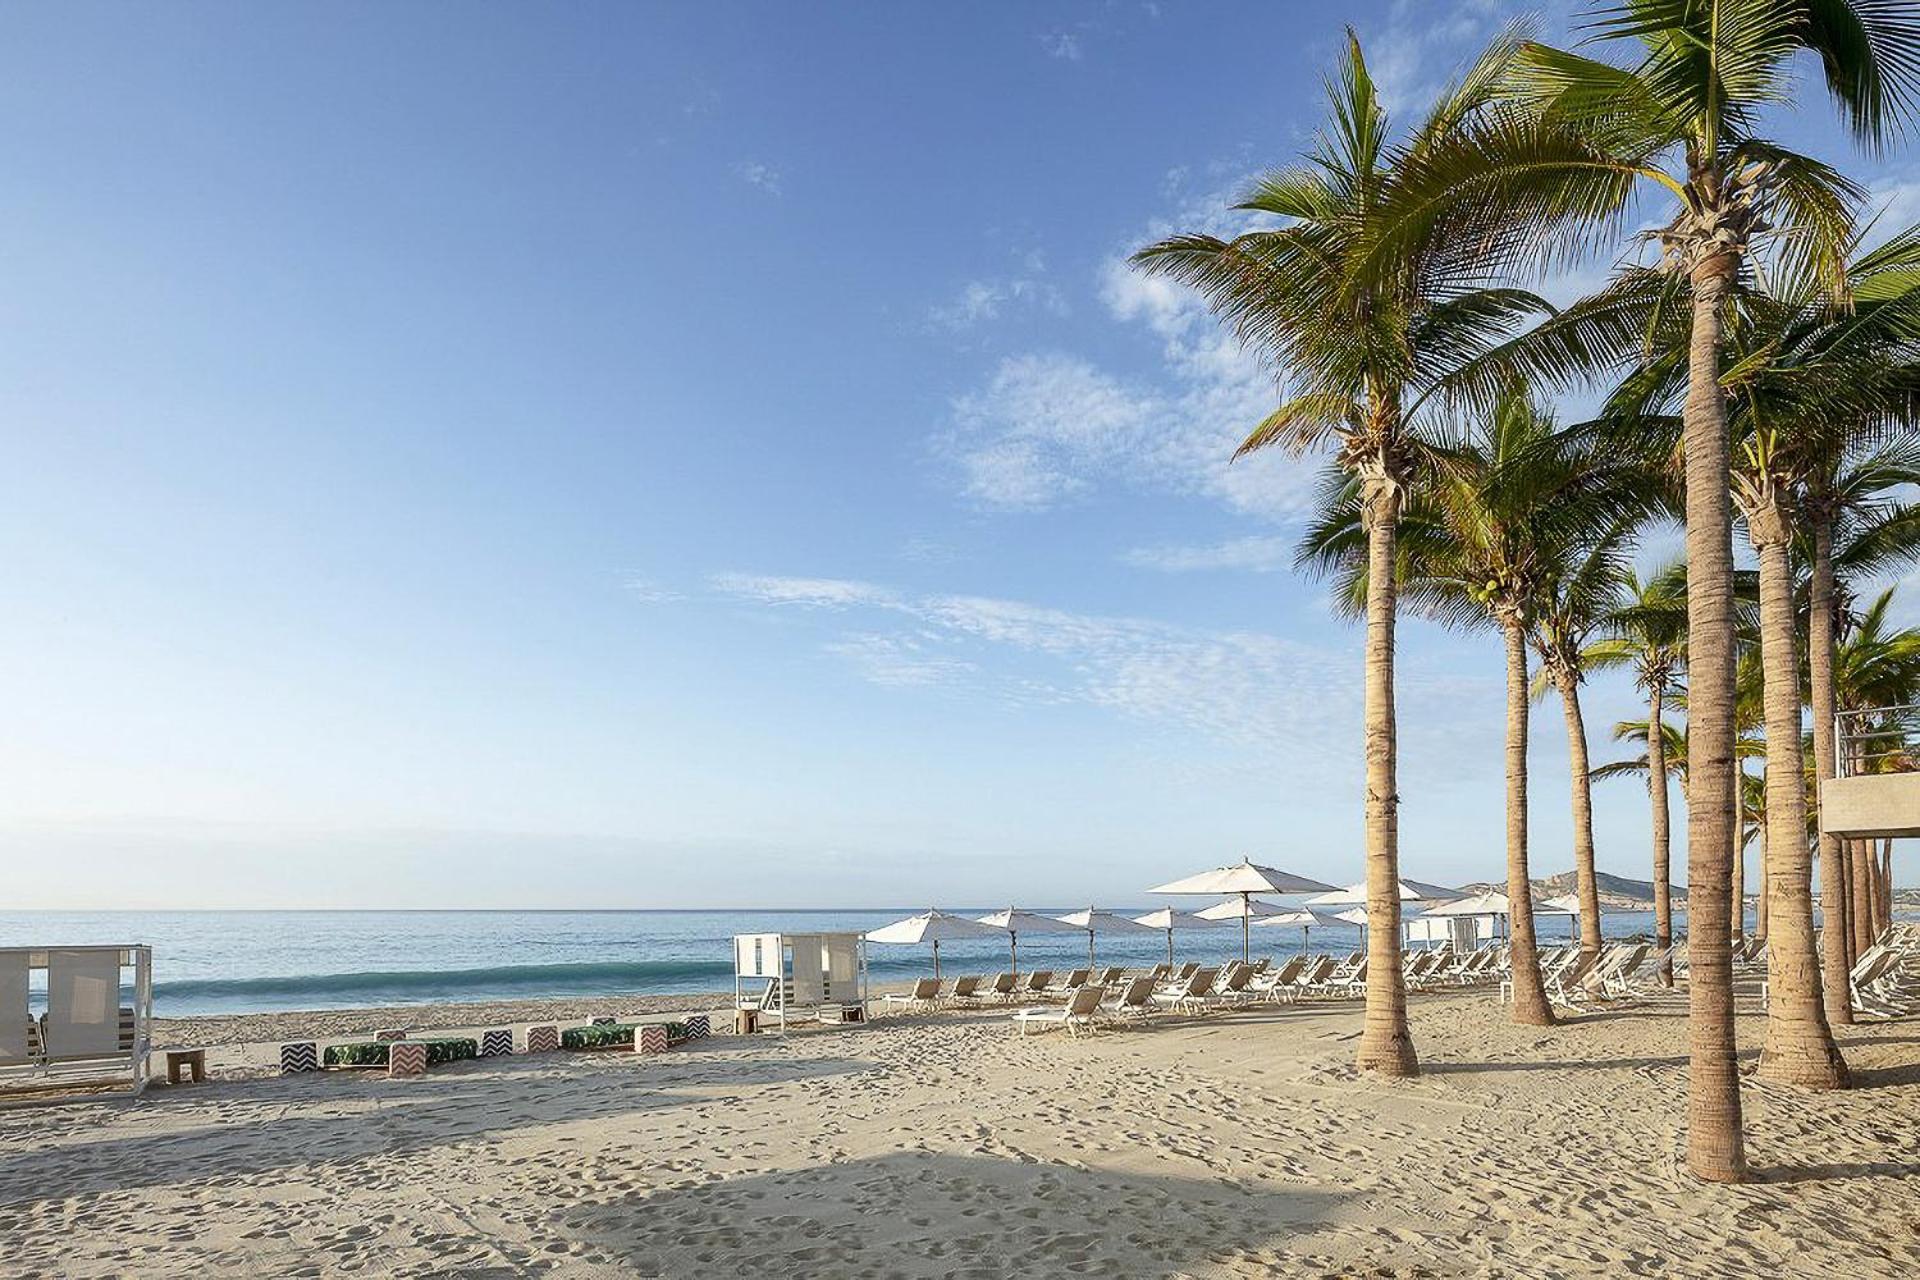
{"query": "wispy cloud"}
(1236, 687)
(756, 173)
(1424, 44)
(1061, 44)
(647, 591)
(1262, 554)
(817, 593)
(979, 301)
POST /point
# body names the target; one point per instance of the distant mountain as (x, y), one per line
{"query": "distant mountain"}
(1617, 893)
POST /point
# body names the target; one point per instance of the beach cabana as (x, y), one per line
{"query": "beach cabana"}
(933, 927)
(1243, 879)
(1168, 919)
(1094, 920)
(96, 1026)
(1014, 922)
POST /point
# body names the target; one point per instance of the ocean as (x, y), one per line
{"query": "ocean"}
(219, 962)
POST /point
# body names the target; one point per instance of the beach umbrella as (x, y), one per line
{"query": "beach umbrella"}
(932, 926)
(1245, 878)
(1169, 919)
(1017, 922)
(1304, 919)
(1094, 920)
(1480, 904)
(1246, 911)
(1567, 904)
(1410, 891)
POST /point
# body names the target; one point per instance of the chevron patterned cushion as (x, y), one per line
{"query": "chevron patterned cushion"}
(699, 1026)
(407, 1058)
(543, 1039)
(651, 1039)
(391, 1033)
(301, 1055)
(496, 1044)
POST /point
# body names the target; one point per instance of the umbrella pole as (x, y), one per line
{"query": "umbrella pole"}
(936, 959)
(1089, 948)
(1013, 946)
(1169, 946)
(1246, 905)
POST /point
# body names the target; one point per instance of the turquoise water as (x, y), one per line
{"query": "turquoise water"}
(239, 961)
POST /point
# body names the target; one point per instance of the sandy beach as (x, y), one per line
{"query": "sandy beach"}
(1240, 1144)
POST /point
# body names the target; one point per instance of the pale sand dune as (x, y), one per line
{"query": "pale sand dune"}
(1239, 1146)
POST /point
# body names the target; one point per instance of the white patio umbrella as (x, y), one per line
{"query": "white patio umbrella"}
(1169, 919)
(1246, 911)
(1358, 915)
(932, 926)
(1410, 891)
(1480, 904)
(1305, 920)
(1016, 922)
(1245, 878)
(1567, 904)
(1094, 920)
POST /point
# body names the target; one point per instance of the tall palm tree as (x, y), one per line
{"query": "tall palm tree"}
(1682, 117)
(1506, 512)
(1574, 606)
(1646, 628)
(1362, 342)
(1855, 528)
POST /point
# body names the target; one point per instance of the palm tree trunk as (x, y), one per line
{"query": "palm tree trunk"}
(1584, 883)
(1386, 1045)
(1883, 888)
(1530, 1004)
(1760, 898)
(1662, 830)
(1737, 884)
(1842, 923)
(1833, 892)
(1799, 1047)
(1715, 1145)
(1863, 930)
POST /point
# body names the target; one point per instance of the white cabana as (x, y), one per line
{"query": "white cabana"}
(1245, 878)
(1015, 922)
(1410, 891)
(1168, 919)
(1094, 920)
(934, 927)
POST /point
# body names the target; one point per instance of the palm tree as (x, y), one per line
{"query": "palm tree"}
(1362, 343)
(1647, 628)
(1575, 605)
(1505, 513)
(1853, 530)
(1682, 118)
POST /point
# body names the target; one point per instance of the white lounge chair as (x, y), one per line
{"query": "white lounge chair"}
(1077, 1015)
(924, 995)
(1134, 1002)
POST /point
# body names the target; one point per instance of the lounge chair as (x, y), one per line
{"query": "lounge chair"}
(1112, 975)
(924, 995)
(1233, 989)
(1135, 1001)
(1278, 985)
(966, 990)
(1005, 986)
(1189, 996)
(1074, 981)
(1187, 970)
(1077, 1015)
(1036, 984)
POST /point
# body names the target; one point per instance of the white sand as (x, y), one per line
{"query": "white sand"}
(1240, 1145)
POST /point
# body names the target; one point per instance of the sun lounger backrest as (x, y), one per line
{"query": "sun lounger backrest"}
(1003, 984)
(1138, 995)
(1038, 979)
(83, 1003)
(1085, 1001)
(964, 987)
(1202, 982)
(1290, 970)
(14, 1046)
(1188, 969)
(1078, 978)
(926, 988)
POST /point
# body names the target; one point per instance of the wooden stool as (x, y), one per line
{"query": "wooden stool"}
(182, 1062)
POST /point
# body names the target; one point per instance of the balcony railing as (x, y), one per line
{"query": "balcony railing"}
(1878, 740)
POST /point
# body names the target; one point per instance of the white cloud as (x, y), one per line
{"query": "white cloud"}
(982, 300)
(1425, 44)
(1261, 554)
(818, 593)
(757, 174)
(647, 591)
(1235, 688)
(1061, 44)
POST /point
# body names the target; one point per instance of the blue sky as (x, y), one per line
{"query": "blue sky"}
(681, 455)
